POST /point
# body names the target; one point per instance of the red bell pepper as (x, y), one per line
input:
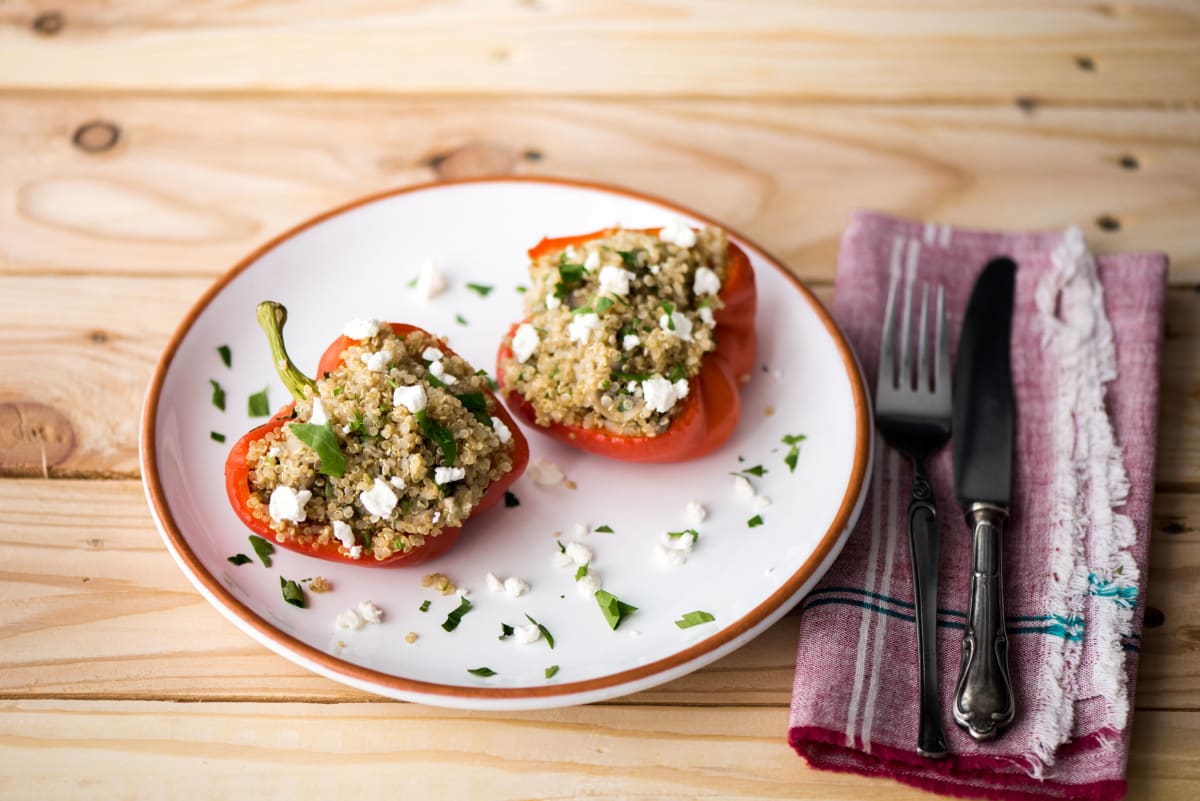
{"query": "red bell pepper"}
(237, 470)
(710, 412)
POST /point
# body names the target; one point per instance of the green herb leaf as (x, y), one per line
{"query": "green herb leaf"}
(263, 548)
(413, 283)
(441, 436)
(218, 395)
(561, 549)
(581, 571)
(492, 383)
(755, 521)
(322, 440)
(793, 454)
(605, 529)
(694, 619)
(521, 289)
(257, 404)
(506, 631)
(510, 500)
(456, 616)
(676, 373)
(424, 607)
(757, 471)
(226, 355)
(240, 559)
(551, 671)
(569, 277)
(628, 257)
(603, 305)
(614, 609)
(476, 404)
(435, 381)
(794, 439)
(687, 532)
(458, 318)
(545, 632)
(216, 436)
(618, 375)
(293, 593)
(482, 671)
(483, 290)
(669, 309)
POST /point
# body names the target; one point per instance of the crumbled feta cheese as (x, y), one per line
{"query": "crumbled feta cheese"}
(743, 488)
(661, 394)
(694, 513)
(588, 585)
(274, 452)
(412, 398)
(677, 232)
(553, 302)
(369, 612)
(527, 634)
(356, 552)
(545, 473)
(631, 341)
(378, 361)
(343, 534)
(438, 371)
(706, 316)
(761, 502)
(430, 281)
(671, 557)
(350, 620)
(495, 583)
(503, 432)
(592, 261)
(525, 342)
(515, 587)
(615, 280)
(319, 416)
(432, 354)
(706, 282)
(581, 327)
(654, 268)
(578, 553)
(379, 500)
(396, 482)
(562, 560)
(445, 475)
(288, 504)
(361, 329)
(632, 386)
(678, 326)
(436, 517)
(571, 253)
(684, 542)
(581, 530)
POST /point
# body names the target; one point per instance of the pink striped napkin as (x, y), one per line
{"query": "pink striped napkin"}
(1086, 344)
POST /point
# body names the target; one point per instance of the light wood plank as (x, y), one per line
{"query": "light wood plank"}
(92, 606)
(1140, 52)
(193, 185)
(58, 749)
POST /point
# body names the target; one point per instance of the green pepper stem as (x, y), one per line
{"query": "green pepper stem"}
(271, 317)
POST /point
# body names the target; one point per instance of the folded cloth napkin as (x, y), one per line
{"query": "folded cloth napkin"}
(1086, 342)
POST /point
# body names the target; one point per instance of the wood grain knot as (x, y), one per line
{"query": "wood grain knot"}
(1108, 223)
(1027, 105)
(1154, 618)
(33, 438)
(96, 136)
(474, 160)
(98, 336)
(1085, 63)
(49, 23)
(1129, 162)
(533, 155)
(1174, 527)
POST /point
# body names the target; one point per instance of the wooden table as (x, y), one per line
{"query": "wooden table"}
(146, 146)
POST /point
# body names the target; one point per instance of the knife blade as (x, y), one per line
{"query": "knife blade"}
(984, 422)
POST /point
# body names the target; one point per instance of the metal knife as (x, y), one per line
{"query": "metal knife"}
(984, 420)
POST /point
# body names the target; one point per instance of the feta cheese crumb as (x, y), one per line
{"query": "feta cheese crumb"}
(319, 416)
(678, 326)
(432, 354)
(706, 316)
(445, 475)
(677, 232)
(631, 341)
(706, 282)
(495, 583)
(684, 542)
(694, 513)
(743, 489)
(615, 280)
(545, 473)
(661, 394)
(350, 620)
(578, 553)
(527, 634)
(581, 327)
(553, 302)
(581, 530)
(356, 552)
(671, 557)
(502, 431)
(369, 612)
(412, 398)
(274, 452)
(588, 585)
(430, 281)
(379, 360)
(379, 500)
(361, 329)
(562, 560)
(515, 587)
(761, 502)
(396, 482)
(343, 534)
(592, 261)
(438, 371)
(525, 342)
(288, 504)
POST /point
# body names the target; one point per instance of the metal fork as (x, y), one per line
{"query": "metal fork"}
(912, 412)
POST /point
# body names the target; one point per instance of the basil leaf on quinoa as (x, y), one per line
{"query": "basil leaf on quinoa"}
(550, 671)
(293, 593)
(628, 257)
(240, 559)
(485, 672)
(455, 617)
(545, 632)
(676, 373)
(669, 309)
(322, 440)
(263, 548)
(614, 609)
(218, 395)
(493, 384)
(690, 619)
(257, 405)
(226, 355)
(441, 436)
(603, 305)
(476, 404)
(569, 277)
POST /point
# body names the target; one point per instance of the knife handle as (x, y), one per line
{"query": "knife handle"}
(983, 698)
(923, 549)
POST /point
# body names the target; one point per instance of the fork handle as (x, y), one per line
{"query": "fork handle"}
(923, 548)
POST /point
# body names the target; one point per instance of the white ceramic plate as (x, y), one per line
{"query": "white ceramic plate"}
(356, 261)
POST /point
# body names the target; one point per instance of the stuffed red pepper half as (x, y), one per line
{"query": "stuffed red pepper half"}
(635, 342)
(383, 458)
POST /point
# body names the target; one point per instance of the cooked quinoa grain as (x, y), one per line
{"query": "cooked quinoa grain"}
(616, 327)
(389, 498)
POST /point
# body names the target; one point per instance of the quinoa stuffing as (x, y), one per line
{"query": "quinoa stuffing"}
(414, 426)
(616, 327)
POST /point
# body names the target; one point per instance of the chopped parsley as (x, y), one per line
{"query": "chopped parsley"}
(510, 500)
(476, 404)
(581, 571)
(458, 318)
(521, 289)
(506, 631)
(758, 471)
(614, 609)
(687, 532)
(603, 305)
(690, 619)
(483, 290)
(216, 436)
(561, 549)
(793, 455)
(669, 308)
(257, 405)
(440, 436)
(263, 548)
(605, 529)
(226, 355)
(485, 672)
(322, 440)
(424, 607)
(569, 277)
(545, 631)
(551, 671)
(293, 593)
(628, 257)
(493, 384)
(755, 521)
(240, 559)
(676, 373)
(456, 616)
(218, 395)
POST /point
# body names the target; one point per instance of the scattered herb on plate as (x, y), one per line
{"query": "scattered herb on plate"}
(455, 617)
(615, 610)
(218, 395)
(257, 404)
(521, 289)
(485, 672)
(458, 318)
(263, 548)
(793, 454)
(581, 571)
(755, 521)
(240, 559)
(758, 471)
(216, 436)
(493, 384)
(510, 500)
(226, 355)
(694, 619)
(322, 440)
(483, 290)
(605, 529)
(687, 532)
(292, 592)
(424, 607)
(545, 631)
(551, 671)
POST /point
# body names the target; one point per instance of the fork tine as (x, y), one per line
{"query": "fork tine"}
(923, 343)
(941, 380)
(887, 343)
(906, 378)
